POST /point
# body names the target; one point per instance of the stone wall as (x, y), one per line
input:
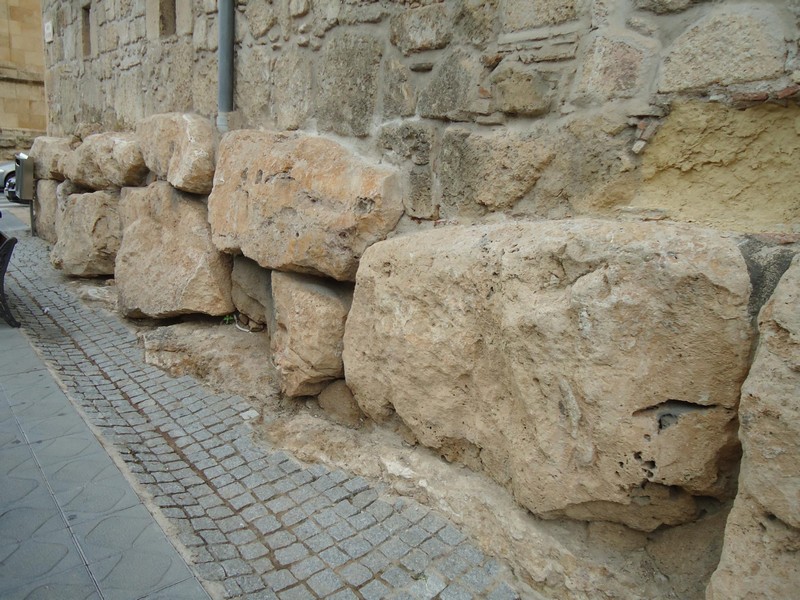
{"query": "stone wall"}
(551, 108)
(532, 236)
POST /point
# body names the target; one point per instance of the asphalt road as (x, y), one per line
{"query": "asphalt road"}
(16, 217)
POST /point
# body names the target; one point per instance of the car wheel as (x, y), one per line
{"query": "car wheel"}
(11, 188)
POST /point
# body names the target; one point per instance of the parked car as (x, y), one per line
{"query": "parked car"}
(8, 171)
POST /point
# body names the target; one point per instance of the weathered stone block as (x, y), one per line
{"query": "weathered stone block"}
(48, 154)
(338, 402)
(167, 265)
(592, 367)
(420, 29)
(400, 95)
(522, 90)
(260, 18)
(614, 68)
(64, 190)
(106, 160)
(252, 291)
(517, 15)
(88, 235)
(769, 412)
(180, 149)
(46, 209)
(310, 314)
(453, 89)
(300, 203)
(487, 172)
(348, 88)
(292, 91)
(412, 140)
(732, 44)
(661, 7)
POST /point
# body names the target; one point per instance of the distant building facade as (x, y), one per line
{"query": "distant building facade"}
(23, 110)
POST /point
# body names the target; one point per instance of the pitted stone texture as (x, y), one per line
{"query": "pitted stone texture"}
(521, 89)
(592, 367)
(763, 530)
(251, 291)
(452, 92)
(46, 209)
(180, 149)
(421, 29)
(64, 190)
(310, 314)
(300, 203)
(615, 68)
(106, 160)
(661, 7)
(338, 402)
(292, 92)
(348, 87)
(481, 172)
(48, 154)
(88, 235)
(732, 44)
(167, 265)
(769, 412)
(759, 555)
(400, 97)
(517, 15)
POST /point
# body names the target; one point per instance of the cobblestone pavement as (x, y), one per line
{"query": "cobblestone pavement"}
(253, 518)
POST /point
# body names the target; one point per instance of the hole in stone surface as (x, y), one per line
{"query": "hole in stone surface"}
(666, 420)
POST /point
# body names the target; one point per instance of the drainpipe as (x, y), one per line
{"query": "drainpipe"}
(225, 13)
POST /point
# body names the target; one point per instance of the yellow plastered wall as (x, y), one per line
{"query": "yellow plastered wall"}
(22, 99)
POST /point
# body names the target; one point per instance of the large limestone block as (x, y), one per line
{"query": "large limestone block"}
(732, 44)
(46, 209)
(48, 154)
(299, 203)
(179, 148)
(64, 190)
(769, 412)
(106, 160)
(759, 556)
(307, 343)
(762, 536)
(592, 367)
(167, 265)
(421, 29)
(88, 235)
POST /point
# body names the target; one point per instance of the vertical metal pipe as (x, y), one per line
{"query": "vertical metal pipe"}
(225, 12)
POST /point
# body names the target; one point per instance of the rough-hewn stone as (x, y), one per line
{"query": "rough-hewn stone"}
(420, 29)
(48, 154)
(45, 209)
(310, 314)
(64, 190)
(180, 149)
(712, 164)
(481, 172)
(260, 18)
(614, 69)
(300, 203)
(252, 291)
(338, 402)
(732, 44)
(88, 235)
(759, 556)
(593, 367)
(167, 265)
(664, 6)
(292, 90)
(348, 88)
(106, 160)
(409, 140)
(517, 15)
(522, 90)
(400, 96)
(452, 91)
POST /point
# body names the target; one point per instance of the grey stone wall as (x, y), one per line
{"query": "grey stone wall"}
(528, 108)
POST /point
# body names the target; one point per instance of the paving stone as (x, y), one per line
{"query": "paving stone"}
(356, 546)
(394, 548)
(503, 592)
(334, 557)
(281, 539)
(267, 524)
(325, 583)
(307, 567)
(374, 590)
(299, 592)
(320, 542)
(397, 577)
(279, 580)
(291, 554)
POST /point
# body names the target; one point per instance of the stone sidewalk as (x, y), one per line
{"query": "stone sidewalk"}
(255, 522)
